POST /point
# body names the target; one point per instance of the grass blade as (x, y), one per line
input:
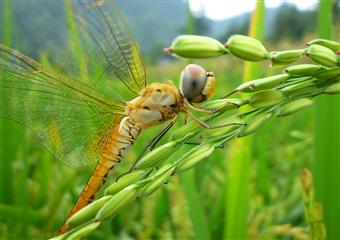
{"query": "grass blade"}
(327, 135)
(196, 212)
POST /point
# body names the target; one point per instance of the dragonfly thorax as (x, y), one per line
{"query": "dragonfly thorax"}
(157, 103)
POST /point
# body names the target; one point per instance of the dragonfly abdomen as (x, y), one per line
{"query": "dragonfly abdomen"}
(123, 136)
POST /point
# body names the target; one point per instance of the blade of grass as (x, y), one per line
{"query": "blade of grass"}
(22, 202)
(327, 135)
(7, 153)
(262, 164)
(216, 216)
(169, 213)
(196, 212)
(11, 135)
(161, 212)
(75, 41)
(237, 181)
(237, 184)
(45, 166)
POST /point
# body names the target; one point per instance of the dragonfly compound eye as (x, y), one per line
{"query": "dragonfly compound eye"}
(192, 82)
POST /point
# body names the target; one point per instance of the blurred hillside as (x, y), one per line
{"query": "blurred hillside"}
(154, 24)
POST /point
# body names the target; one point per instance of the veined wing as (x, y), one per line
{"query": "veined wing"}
(105, 33)
(71, 119)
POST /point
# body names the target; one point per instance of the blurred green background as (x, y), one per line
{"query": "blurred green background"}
(248, 189)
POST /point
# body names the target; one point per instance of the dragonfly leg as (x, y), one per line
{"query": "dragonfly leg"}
(208, 111)
(207, 126)
(200, 142)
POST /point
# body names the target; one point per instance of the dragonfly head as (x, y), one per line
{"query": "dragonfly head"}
(196, 84)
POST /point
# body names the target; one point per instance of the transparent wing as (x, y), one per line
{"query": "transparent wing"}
(71, 119)
(105, 36)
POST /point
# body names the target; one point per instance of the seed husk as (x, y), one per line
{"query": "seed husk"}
(265, 98)
(294, 106)
(322, 55)
(299, 85)
(59, 237)
(316, 214)
(333, 89)
(247, 48)
(223, 104)
(194, 156)
(297, 79)
(83, 231)
(157, 155)
(329, 73)
(124, 181)
(254, 123)
(160, 177)
(286, 57)
(220, 132)
(335, 46)
(306, 179)
(87, 213)
(117, 202)
(262, 83)
(188, 129)
(316, 88)
(319, 230)
(193, 46)
(304, 69)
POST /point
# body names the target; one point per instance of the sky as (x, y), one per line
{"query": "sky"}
(222, 9)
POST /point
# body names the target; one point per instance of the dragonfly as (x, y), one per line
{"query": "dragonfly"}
(79, 122)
